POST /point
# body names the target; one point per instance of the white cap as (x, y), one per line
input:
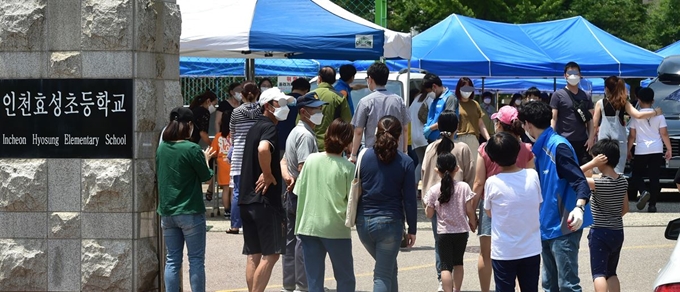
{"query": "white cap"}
(276, 94)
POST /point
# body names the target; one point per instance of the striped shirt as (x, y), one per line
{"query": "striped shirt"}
(607, 202)
(242, 119)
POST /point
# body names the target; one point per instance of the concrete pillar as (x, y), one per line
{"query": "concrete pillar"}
(82, 224)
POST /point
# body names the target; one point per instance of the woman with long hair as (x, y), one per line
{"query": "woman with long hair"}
(242, 119)
(223, 142)
(388, 192)
(471, 124)
(448, 124)
(418, 112)
(608, 116)
(202, 107)
(181, 168)
(505, 120)
(322, 189)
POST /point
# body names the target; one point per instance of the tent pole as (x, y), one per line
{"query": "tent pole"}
(250, 69)
(554, 84)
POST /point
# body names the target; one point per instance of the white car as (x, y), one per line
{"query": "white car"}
(669, 277)
(395, 84)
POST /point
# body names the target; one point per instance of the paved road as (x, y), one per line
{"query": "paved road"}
(645, 252)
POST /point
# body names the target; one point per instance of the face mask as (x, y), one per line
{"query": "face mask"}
(465, 94)
(281, 113)
(238, 96)
(573, 80)
(518, 101)
(431, 95)
(316, 118)
(211, 109)
(487, 100)
(263, 88)
(532, 139)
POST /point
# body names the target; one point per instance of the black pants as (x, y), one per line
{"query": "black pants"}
(581, 153)
(649, 164)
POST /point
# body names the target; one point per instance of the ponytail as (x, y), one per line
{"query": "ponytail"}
(387, 139)
(515, 128)
(448, 125)
(446, 164)
(446, 144)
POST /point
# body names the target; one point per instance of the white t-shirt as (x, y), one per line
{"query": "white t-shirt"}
(417, 134)
(514, 200)
(647, 136)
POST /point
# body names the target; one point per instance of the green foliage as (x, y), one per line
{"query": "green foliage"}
(662, 27)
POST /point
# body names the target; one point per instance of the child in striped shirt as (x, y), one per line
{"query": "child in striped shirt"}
(609, 202)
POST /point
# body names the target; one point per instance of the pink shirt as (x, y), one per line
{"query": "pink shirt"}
(523, 157)
(451, 216)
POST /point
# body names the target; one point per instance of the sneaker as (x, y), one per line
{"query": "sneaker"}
(287, 290)
(227, 215)
(441, 288)
(644, 197)
(651, 209)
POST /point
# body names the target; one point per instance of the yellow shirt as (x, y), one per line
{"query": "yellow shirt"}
(470, 114)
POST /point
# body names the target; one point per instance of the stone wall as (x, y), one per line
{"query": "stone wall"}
(87, 224)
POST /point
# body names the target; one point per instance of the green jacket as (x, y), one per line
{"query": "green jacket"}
(337, 107)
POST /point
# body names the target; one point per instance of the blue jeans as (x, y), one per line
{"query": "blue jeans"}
(177, 230)
(437, 261)
(340, 252)
(381, 236)
(560, 263)
(235, 210)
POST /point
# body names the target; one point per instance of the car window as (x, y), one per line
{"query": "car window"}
(669, 104)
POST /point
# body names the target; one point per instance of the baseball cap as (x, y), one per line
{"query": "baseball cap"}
(310, 99)
(181, 114)
(506, 115)
(275, 94)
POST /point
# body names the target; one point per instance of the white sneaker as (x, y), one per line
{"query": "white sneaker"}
(440, 289)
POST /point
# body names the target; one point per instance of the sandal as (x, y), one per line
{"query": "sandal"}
(208, 196)
(232, 231)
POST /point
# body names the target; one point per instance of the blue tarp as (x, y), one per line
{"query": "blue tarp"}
(463, 46)
(195, 66)
(670, 50)
(520, 85)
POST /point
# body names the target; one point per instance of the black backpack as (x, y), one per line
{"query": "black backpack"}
(580, 108)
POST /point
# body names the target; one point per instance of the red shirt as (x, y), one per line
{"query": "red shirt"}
(525, 155)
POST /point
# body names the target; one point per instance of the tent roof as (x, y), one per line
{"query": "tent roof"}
(307, 29)
(460, 45)
(672, 49)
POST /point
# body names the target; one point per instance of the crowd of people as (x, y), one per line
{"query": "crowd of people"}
(288, 163)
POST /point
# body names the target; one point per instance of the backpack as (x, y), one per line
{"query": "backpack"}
(580, 108)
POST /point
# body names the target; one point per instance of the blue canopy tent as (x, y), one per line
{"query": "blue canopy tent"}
(463, 46)
(300, 29)
(517, 85)
(672, 49)
(196, 66)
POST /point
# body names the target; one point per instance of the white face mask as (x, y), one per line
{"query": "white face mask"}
(518, 101)
(238, 96)
(529, 136)
(431, 95)
(487, 101)
(263, 88)
(465, 94)
(281, 113)
(573, 80)
(316, 118)
(212, 108)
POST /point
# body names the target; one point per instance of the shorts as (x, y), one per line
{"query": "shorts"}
(484, 224)
(605, 250)
(264, 229)
(677, 177)
(451, 249)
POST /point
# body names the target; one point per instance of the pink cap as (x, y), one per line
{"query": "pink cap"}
(506, 115)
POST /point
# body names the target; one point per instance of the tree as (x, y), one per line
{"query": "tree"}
(662, 27)
(624, 19)
(404, 15)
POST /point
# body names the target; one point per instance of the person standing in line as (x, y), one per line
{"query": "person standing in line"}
(376, 105)
(264, 222)
(609, 120)
(322, 188)
(488, 109)
(448, 124)
(505, 120)
(649, 135)
(227, 106)
(264, 84)
(203, 106)
(337, 107)
(223, 117)
(242, 119)
(300, 87)
(344, 85)
(452, 201)
(471, 125)
(388, 192)
(418, 113)
(516, 100)
(444, 100)
(565, 192)
(513, 195)
(532, 94)
(181, 168)
(300, 144)
(572, 112)
(609, 204)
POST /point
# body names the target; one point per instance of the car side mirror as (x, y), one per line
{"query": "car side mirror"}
(673, 229)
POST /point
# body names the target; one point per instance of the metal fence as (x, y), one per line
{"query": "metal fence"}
(232, 70)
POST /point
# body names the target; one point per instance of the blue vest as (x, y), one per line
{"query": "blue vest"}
(558, 197)
(341, 85)
(436, 108)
